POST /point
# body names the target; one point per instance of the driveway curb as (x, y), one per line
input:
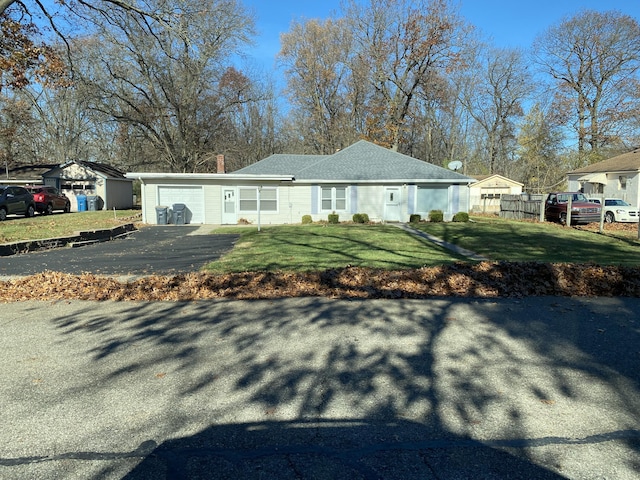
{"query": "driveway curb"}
(79, 239)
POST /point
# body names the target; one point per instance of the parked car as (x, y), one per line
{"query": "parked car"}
(617, 210)
(49, 199)
(582, 210)
(16, 200)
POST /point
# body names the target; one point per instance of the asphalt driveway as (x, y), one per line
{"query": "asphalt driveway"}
(152, 250)
(315, 388)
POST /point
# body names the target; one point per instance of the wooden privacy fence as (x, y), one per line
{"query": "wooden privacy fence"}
(522, 207)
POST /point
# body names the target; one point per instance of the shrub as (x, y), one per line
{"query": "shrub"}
(334, 218)
(415, 218)
(360, 218)
(461, 217)
(436, 216)
(306, 219)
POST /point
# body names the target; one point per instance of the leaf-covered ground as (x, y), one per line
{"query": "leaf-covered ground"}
(487, 279)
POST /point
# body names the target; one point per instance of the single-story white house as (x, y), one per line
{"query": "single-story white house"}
(485, 194)
(108, 185)
(362, 178)
(616, 177)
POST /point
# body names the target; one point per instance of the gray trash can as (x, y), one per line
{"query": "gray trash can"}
(179, 213)
(162, 215)
(92, 203)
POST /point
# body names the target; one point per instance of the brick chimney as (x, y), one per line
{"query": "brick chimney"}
(220, 159)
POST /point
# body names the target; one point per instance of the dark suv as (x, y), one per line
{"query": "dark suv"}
(16, 200)
(582, 210)
(49, 199)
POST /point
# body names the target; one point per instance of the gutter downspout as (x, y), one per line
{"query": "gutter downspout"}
(142, 198)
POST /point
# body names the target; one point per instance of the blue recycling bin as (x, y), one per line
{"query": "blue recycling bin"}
(82, 203)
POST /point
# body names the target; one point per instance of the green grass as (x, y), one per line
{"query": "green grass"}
(16, 229)
(318, 247)
(508, 240)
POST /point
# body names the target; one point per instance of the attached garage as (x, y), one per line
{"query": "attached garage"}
(191, 196)
(206, 196)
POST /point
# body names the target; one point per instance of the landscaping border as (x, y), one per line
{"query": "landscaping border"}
(77, 240)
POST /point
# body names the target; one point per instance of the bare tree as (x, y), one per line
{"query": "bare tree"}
(404, 43)
(320, 76)
(539, 142)
(498, 84)
(172, 86)
(594, 58)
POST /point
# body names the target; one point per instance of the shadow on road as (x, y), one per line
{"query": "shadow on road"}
(331, 449)
(322, 388)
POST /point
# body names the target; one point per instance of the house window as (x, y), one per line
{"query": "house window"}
(334, 199)
(622, 182)
(249, 199)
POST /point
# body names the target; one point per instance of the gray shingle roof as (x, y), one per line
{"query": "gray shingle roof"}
(627, 162)
(362, 161)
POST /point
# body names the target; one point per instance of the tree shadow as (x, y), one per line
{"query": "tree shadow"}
(321, 388)
(332, 449)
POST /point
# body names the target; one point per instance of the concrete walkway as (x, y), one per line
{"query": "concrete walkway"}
(441, 243)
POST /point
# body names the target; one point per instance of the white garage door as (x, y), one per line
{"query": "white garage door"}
(192, 197)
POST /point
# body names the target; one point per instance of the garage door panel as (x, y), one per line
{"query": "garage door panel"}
(192, 197)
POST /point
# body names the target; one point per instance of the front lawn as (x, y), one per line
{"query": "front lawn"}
(16, 229)
(509, 240)
(302, 248)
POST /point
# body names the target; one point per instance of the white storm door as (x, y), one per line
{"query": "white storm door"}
(229, 206)
(393, 204)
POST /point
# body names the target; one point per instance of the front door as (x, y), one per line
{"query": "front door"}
(229, 206)
(393, 204)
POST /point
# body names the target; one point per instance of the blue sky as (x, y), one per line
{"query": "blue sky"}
(510, 23)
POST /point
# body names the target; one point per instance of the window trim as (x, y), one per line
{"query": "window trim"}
(258, 208)
(334, 198)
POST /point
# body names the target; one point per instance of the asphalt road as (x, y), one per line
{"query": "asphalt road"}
(152, 250)
(535, 388)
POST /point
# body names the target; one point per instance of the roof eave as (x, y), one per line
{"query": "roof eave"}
(389, 181)
(207, 176)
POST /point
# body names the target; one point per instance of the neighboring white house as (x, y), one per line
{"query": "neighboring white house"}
(107, 184)
(485, 194)
(362, 178)
(616, 177)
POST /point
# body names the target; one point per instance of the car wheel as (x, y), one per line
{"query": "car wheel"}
(31, 211)
(3, 214)
(563, 218)
(48, 209)
(609, 217)
(67, 207)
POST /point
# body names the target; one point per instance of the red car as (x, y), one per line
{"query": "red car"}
(582, 210)
(49, 199)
